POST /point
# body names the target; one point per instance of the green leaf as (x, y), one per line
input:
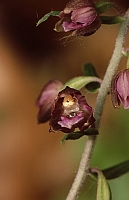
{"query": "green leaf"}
(89, 70)
(117, 170)
(111, 19)
(80, 81)
(103, 6)
(103, 189)
(125, 53)
(45, 17)
(72, 136)
(91, 131)
(76, 135)
(63, 140)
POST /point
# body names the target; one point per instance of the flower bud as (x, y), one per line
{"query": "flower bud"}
(79, 16)
(120, 89)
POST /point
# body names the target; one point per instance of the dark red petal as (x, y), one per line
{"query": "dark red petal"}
(89, 29)
(114, 93)
(46, 99)
(75, 4)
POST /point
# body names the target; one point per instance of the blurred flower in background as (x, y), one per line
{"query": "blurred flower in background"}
(120, 89)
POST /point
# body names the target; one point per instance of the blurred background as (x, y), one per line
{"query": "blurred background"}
(34, 165)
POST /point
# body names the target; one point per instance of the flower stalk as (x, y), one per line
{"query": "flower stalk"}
(83, 169)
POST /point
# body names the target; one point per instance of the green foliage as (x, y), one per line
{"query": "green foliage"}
(89, 70)
(125, 53)
(76, 135)
(109, 20)
(117, 170)
(80, 81)
(45, 17)
(103, 189)
(103, 6)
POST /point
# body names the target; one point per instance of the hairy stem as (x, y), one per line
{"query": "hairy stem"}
(103, 91)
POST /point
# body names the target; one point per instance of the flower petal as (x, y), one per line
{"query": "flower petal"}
(84, 15)
(120, 89)
(89, 29)
(76, 4)
(46, 99)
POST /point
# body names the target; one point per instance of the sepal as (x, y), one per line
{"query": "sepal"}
(78, 134)
(46, 16)
(103, 188)
(109, 20)
(103, 6)
(80, 81)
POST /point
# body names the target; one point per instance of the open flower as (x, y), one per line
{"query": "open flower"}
(46, 99)
(71, 111)
(66, 110)
(79, 16)
(120, 89)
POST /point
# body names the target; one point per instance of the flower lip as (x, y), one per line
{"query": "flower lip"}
(71, 111)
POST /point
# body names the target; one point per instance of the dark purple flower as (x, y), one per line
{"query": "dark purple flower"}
(46, 99)
(120, 89)
(71, 111)
(79, 16)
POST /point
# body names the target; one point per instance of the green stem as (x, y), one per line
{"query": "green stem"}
(83, 169)
(127, 63)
